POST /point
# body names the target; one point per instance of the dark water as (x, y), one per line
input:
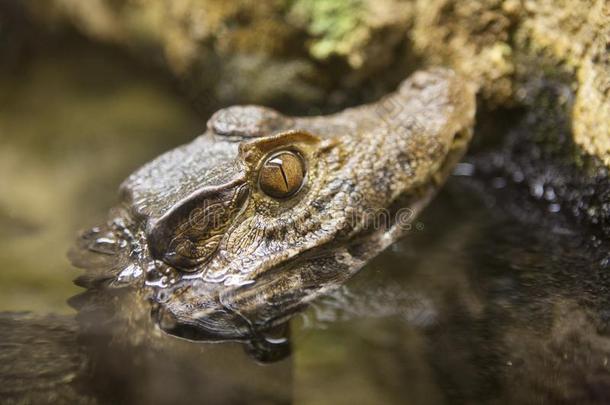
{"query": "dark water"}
(478, 307)
(487, 300)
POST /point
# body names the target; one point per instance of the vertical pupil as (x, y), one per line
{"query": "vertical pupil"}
(282, 174)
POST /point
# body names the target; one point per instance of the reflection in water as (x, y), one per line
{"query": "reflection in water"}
(477, 307)
(52, 360)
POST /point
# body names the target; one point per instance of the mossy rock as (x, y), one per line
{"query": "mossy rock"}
(325, 52)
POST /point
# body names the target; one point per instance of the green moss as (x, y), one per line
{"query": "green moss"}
(335, 25)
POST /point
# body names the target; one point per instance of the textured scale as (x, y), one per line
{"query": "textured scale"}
(247, 241)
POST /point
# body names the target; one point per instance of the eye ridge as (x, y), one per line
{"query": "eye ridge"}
(282, 174)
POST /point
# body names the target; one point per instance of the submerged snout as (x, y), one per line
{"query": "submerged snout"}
(211, 323)
(200, 310)
(210, 312)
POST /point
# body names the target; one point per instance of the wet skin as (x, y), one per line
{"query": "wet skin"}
(230, 235)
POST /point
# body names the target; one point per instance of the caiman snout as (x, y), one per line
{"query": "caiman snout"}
(261, 214)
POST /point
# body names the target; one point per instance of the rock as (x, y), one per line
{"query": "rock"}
(329, 53)
(247, 51)
(503, 44)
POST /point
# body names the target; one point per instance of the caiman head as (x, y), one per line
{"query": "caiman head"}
(230, 235)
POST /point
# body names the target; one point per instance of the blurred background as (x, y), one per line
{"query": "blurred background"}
(75, 119)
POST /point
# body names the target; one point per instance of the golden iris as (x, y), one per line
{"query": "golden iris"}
(282, 174)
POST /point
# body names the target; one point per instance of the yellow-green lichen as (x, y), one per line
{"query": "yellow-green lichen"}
(336, 26)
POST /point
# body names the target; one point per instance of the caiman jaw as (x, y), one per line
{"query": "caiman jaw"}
(263, 213)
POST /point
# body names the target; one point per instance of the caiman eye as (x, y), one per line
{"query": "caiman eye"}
(282, 174)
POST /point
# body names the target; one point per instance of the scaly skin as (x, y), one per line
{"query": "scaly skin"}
(219, 258)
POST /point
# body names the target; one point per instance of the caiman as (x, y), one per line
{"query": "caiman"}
(231, 234)
(227, 237)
